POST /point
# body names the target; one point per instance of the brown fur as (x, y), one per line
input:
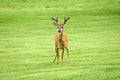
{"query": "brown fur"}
(61, 41)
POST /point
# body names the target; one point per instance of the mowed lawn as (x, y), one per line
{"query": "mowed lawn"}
(27, 39)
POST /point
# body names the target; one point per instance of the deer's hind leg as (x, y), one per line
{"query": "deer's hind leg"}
(68, 55)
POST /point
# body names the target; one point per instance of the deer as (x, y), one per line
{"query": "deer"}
(61, 40)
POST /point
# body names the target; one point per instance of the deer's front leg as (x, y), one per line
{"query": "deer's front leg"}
(57, 53)
(62, 55)
(56, 56)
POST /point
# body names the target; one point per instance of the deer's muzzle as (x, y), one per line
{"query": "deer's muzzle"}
(59, 31)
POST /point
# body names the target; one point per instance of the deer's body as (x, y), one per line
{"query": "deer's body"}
(61, 40)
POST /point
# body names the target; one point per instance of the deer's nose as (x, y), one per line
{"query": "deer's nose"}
(59, 31)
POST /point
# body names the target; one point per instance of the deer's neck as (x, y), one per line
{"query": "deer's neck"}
(60, 37)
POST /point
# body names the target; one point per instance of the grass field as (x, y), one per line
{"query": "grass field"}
(27, 39)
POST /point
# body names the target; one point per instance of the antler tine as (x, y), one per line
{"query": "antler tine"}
(65, 20)
(56, 20)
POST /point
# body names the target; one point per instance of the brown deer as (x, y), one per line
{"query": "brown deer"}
(61, 40)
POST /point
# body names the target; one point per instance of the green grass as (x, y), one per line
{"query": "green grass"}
(27, 39)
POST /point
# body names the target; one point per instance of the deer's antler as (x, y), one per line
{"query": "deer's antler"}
(65, 20)
(56, 20)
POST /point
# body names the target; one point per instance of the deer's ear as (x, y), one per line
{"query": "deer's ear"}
(55, 23)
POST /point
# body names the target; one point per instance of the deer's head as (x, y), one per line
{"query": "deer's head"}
(60, 26)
